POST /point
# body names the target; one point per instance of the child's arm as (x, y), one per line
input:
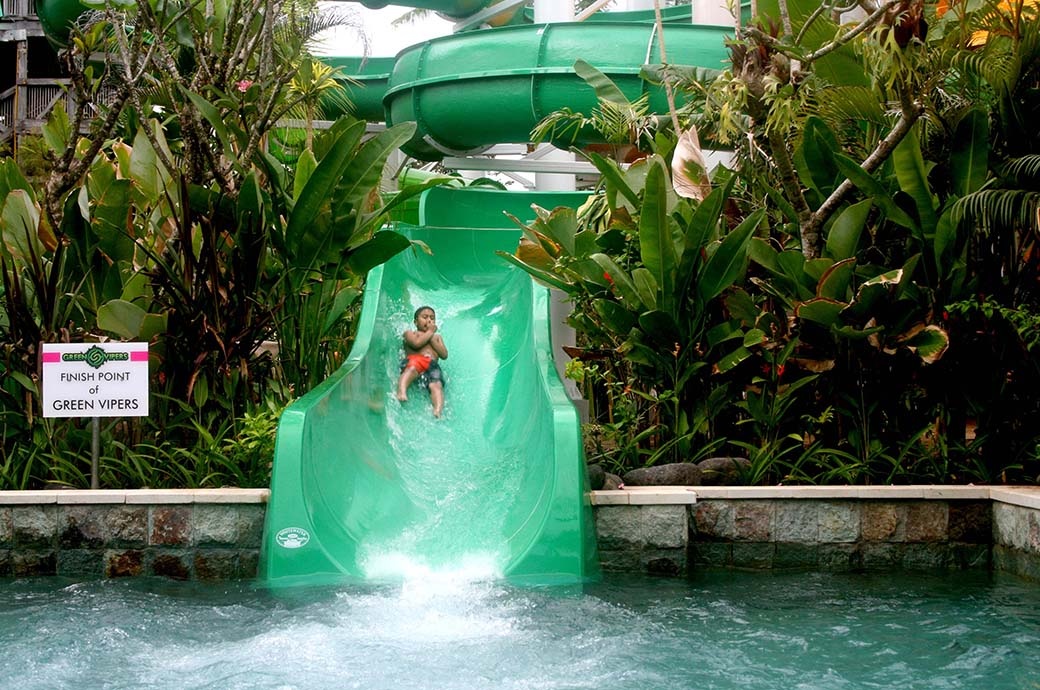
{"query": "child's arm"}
(437, 343)
(416, 340)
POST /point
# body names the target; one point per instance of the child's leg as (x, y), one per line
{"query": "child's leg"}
(408, 377)
(437, 397)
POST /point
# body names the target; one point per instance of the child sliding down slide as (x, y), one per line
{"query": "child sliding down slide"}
(423, 348)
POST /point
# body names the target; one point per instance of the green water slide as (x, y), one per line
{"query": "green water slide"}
(367, 487)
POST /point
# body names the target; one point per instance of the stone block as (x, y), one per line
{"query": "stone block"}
(623, 561)
(927, 521)
(711, 554)
(970, 556)
(753, 555)
(927, 557)
(227, 525)
(970, 522)
(170, 525)
(883, 521)
(6, 528)
(839, 557)
(35, 526)
(249, 564)
(670, 562)
(839, 522)
(124, 563)
(714, 520)
(101, 526)
(795, 556)
(641, 527)
(1010, 527)
(753, 521)
(1016, 562)
(881, 555)
(34, 563)
(81, 562)
(216, 564)
(172, 564)
(797, 522)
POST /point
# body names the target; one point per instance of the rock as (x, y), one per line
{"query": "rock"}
(597, 475)
(612, 482)
(672, 474)
(723, 471)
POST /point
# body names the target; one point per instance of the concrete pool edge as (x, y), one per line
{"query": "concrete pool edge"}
(215, 534)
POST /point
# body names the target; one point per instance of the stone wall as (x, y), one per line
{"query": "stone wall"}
(821, 528)
(216, 534)
(185, 535)
(1016, 538)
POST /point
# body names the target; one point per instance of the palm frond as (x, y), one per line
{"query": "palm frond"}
(840, 105)
(999, 208)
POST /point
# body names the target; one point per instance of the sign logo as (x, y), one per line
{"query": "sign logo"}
(95, 357)
(292, 537)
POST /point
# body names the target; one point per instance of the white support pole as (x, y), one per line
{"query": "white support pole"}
(553, 11)
(546, 11)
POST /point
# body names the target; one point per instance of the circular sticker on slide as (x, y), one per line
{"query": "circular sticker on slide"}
(292, 537)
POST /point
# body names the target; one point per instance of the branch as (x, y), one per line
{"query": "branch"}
(863, 26)
(910, 113)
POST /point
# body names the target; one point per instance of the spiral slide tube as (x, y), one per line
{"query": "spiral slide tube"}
(365, 487)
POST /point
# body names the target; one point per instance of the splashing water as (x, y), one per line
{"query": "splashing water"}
(466, 631)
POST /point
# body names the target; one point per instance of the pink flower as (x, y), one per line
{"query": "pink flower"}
(244, 85)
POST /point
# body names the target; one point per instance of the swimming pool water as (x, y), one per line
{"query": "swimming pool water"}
(714, 630)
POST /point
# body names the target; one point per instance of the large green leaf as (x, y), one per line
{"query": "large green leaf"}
(656, 243)
(729, 260)
(872, 188)
(814, 159)
(366, 168)
(20, 220)
(615, 317)
(623, 285)
(109, 203)
(318, 190)
(212, 115)
(835, 282)
(542, 276)
(821, 310)
(604, 87)
(969, 153)
(646, 287)
(121, 317)
(846, 230)
(561, 226)
(340, 304)
(616, 183)
(380, 248)
(913, 179)
(661, 328)
(11, 178)
(930, 344)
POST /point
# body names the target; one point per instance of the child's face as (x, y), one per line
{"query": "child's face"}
(425, 319)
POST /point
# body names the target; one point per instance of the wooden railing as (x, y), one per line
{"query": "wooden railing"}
(19, 8)
(25, 107)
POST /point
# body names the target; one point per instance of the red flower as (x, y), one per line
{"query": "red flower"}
(607, 276)
(244, 85)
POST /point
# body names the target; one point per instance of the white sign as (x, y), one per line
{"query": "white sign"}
(95, 380)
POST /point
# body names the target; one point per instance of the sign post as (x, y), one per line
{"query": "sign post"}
(95, 380)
